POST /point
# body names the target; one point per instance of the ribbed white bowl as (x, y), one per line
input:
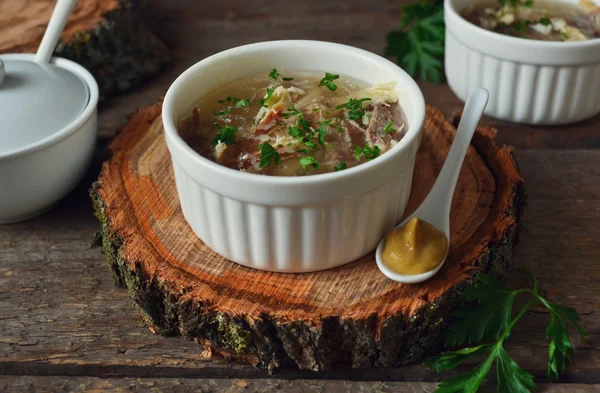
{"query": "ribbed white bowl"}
(532, 82)
(292, 224)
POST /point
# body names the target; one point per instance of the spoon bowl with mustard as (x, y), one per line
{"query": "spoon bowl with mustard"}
(417, 248)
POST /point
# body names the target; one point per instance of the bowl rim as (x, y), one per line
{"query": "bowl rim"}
(76, 123)
(171, 133)
(523, 48)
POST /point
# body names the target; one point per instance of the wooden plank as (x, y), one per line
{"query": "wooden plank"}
(57, 384)
(198, 32)
(61, 314)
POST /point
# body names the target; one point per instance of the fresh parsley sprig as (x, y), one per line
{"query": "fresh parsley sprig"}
(418, 44)
(487, 316)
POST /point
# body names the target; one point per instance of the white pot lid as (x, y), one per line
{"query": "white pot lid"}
(37, 101)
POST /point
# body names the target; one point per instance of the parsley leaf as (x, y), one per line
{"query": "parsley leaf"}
(355, 108)
(224, 111)
(486, 316)
(268, 155)
(328, 81)
(545, 21)
(367, 152)
(225, 135)
(322, 131)
(389, 127)
(308, 160)
(274, 74)
(511, 377)
(263, 102)
(292, 111)
(305, 150)
(242, 103)
(340, 129)
(418, 44)
(340, 167)
(561, 350)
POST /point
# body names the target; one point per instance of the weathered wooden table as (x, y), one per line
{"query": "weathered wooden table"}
(64, 326)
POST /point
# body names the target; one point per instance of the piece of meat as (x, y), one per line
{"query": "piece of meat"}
(380, 118)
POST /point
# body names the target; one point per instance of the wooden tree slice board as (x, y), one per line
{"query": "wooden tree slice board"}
(351, 315)
(108, 37)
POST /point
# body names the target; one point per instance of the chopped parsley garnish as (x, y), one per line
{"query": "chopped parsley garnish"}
(239, 103)
(516, 3)
(340, 167)
(274, 74)
(389, 127)
(242, 103)
(521, 26)
(355, 108)
(308, 160)
(328, 81)
(224, 111)
(340, 129)
(292, 111)
(268, 155)
(366, 151)
(322, 131)
(564, 36)
(305, 150)
(316, 109)
(225, 135)
(545, 21)
(263, 102)
(301, 128)
(228, 99)
(310, 144)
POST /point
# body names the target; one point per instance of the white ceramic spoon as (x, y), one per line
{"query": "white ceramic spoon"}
(435, 209)
(58, 20)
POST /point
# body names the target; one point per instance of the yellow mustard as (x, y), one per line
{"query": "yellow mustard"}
(415, 248)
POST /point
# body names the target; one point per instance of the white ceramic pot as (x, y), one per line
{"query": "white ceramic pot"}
(35, 176)
(530, 81)
(292, 224)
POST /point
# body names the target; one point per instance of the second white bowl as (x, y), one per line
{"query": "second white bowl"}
(530, 81)
(292, 224)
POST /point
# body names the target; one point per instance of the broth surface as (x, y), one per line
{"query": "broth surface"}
(284, 124)
(538, 20)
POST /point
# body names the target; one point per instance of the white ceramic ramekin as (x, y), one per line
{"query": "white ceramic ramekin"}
(292, 224)
(36, 176)
(532, 82)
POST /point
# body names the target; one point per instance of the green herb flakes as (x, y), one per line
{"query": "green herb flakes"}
(340, 167)
(367, 152)
(328, 81)
(263, 102)
(308, 160)
(389, 128)
(355, 108)
(225, 135)
(274, 74)
(292, 111)
(268, 155)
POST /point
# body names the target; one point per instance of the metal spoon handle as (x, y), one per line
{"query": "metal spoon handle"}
(57, 23)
